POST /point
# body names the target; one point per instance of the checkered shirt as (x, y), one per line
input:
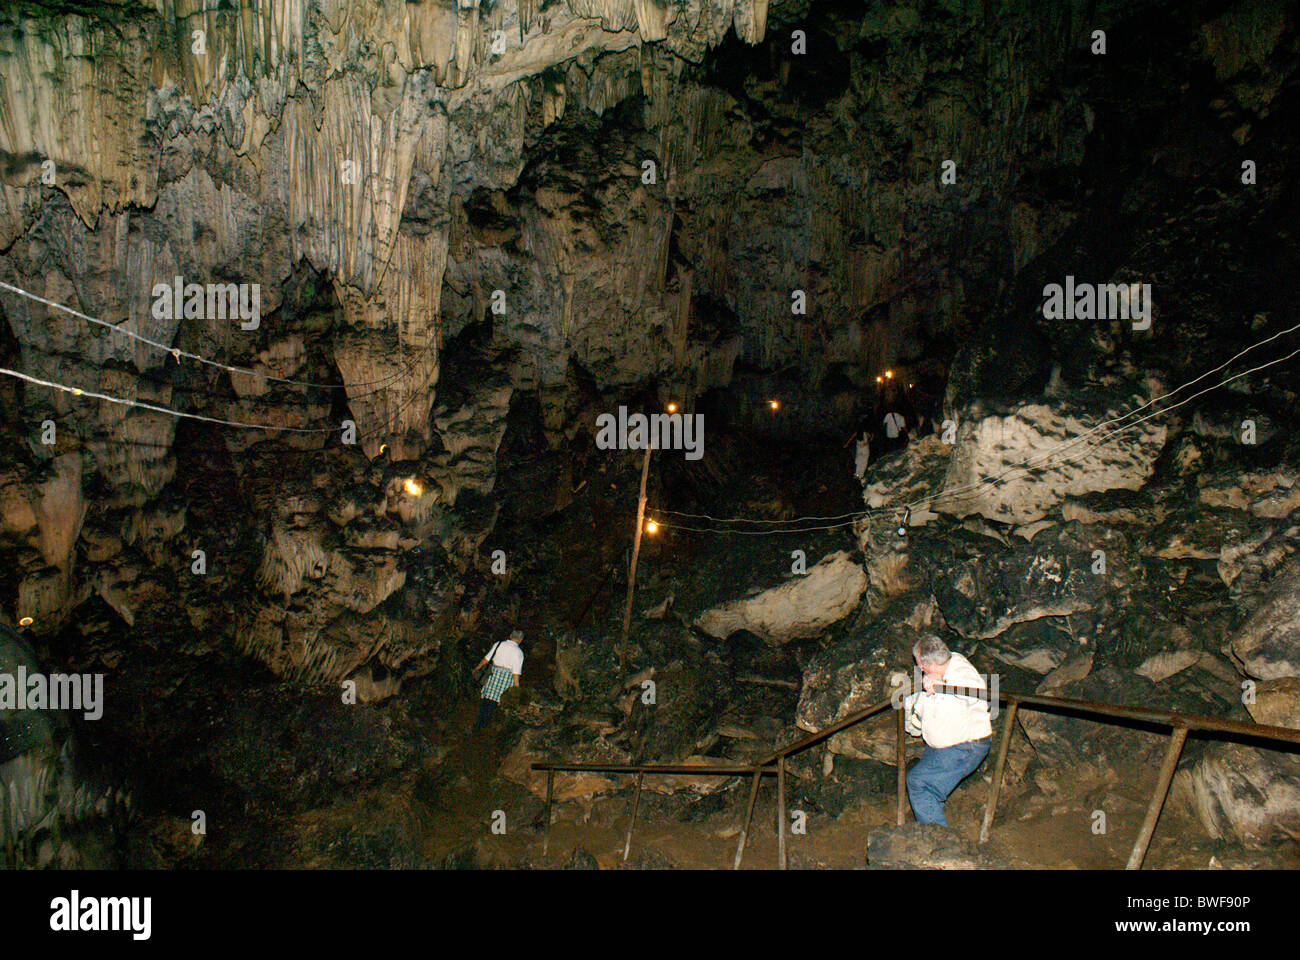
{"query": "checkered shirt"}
(499, 680)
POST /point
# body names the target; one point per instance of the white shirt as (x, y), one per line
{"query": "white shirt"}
(894, 424)
(945, 719)
(509, 655)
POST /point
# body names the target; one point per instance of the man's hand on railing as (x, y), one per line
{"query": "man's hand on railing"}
(899, 681)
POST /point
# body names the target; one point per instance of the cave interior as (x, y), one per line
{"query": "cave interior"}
(327, 328)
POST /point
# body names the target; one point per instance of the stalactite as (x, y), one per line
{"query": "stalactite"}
(289, 557)
(681, 328)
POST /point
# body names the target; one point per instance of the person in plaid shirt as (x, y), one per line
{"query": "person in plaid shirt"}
(507, 664)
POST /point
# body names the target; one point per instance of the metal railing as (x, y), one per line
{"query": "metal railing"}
(1179, 724)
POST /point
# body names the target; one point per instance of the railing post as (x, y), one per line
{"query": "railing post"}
(749, 818)
(900, 758)
(636, 802)
(631, 570)
(550, 792)
(1176, 740)
(780, 810)
(1180, 725)
(991, 808)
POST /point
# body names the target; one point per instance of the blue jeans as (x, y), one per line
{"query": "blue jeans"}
(937, 774)
(486, 708)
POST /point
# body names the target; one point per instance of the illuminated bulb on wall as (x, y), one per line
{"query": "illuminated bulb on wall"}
(902, 524)
(413, 487)
(889, 374)
(672, 408)
(880, 379)
(774, 404)
(25, 622)
(651, 526)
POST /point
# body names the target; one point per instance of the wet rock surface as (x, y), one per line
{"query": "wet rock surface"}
(923, 846)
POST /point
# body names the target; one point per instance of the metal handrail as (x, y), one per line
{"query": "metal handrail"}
(1180, 725)
(1152, 715)
(664, 768)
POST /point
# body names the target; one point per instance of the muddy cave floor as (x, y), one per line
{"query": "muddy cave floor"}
(446, 811)
(440, 810)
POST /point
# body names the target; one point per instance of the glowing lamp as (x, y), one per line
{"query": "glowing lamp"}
(383, 448)
(672, 408)
(413, 487)
(880, 379)
(25, 622)
(651, 526)
(889, 374)
(774, 404)
(902, 524)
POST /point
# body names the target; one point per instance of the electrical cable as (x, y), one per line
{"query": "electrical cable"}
(280, 402)
(1048, 453)
(971, 488)
(122, 401)
(849, 518)
(1024, 464)
(178, 353)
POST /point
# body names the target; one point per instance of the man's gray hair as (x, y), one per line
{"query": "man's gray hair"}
(931, 650)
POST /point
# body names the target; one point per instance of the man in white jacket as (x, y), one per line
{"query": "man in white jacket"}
(957, 729)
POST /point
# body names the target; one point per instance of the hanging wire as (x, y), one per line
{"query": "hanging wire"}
(705, 516)
(849, 519)
(1066, 444)
(1023, 465)
(180, 354)
(155, 408)
(80, 392)
(970, 489)
(410, 365)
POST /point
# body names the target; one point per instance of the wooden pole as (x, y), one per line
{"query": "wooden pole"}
(550, 792)
(1176, 740)
(900, 757)
(780, 811)
(749, 818)
(636, 552)
(991, 808)
(636, 802)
